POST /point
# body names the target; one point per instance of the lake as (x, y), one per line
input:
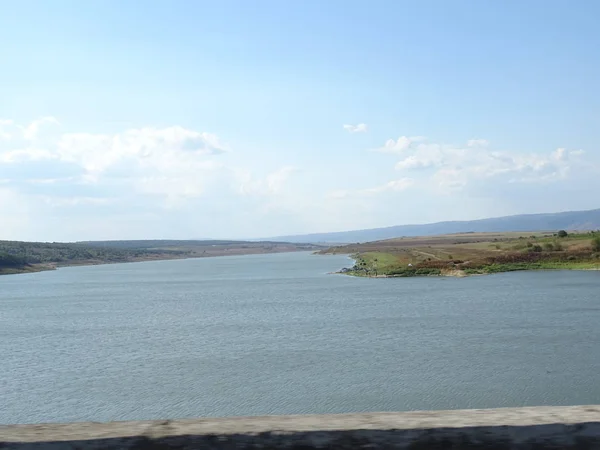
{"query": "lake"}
(275, 334)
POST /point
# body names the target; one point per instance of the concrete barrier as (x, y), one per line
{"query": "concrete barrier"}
(576, 427)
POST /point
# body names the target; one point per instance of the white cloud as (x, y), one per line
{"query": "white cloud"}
(456, 166)
(277, 179)
(93, 152)
(160, 148)
(4, 133)
(25, 136)
(395, 186)
(271, 184)
(176, 183)
(360, 128)
(26, 154)
(31, 131)
(477, 143)
(400, 145)
(15, 213)
(75, 201)
(338, 193)
(49, 181)
(117, 185)
(173, 162)
(142, 169)
(391, 186)
(414, 162)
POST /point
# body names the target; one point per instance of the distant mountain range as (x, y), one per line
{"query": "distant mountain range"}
(571, 220)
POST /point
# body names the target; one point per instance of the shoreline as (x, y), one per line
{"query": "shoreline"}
(44, 267)
(462, 273)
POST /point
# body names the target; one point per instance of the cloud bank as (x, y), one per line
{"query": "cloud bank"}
(177, 182)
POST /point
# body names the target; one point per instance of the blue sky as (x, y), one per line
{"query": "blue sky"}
(235, 119)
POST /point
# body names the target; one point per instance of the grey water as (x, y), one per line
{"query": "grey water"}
(277, 334)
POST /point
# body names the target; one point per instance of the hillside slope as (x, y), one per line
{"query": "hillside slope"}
(19, 257)
(571, 220)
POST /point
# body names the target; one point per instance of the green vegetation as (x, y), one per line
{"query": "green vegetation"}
(7, 260)
(596, 244)
(41, 252)
(18, 257)
(481, 253)
(10, 264)
(374, 263)
(415, 271)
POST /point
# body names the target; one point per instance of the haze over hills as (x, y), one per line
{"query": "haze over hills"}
(570, 220)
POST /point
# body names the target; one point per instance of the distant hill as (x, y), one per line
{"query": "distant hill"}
(160, 243)
(192, 244)
(572, 220)
(19, 257)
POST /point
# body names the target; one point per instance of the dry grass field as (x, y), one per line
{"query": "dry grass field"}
(473, 253)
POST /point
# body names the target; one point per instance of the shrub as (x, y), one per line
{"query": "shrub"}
(548, 246)
(562, 234)
(7, 260)
(433, 265)
(537, 248)
(529, 244)
(596, 244)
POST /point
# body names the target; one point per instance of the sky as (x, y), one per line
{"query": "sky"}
(234, 119)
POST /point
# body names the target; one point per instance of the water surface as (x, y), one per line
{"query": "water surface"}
(274, 334)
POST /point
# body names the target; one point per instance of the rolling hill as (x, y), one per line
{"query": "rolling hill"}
(570, 220)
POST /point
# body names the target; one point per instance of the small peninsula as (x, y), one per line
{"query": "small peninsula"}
(466, 254)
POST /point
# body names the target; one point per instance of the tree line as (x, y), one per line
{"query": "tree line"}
(17, 254)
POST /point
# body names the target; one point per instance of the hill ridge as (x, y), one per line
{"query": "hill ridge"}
(584, 220)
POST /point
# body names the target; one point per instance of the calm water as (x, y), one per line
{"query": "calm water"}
(275, 334)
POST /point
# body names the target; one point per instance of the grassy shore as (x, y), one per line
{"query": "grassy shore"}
(473, 254)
